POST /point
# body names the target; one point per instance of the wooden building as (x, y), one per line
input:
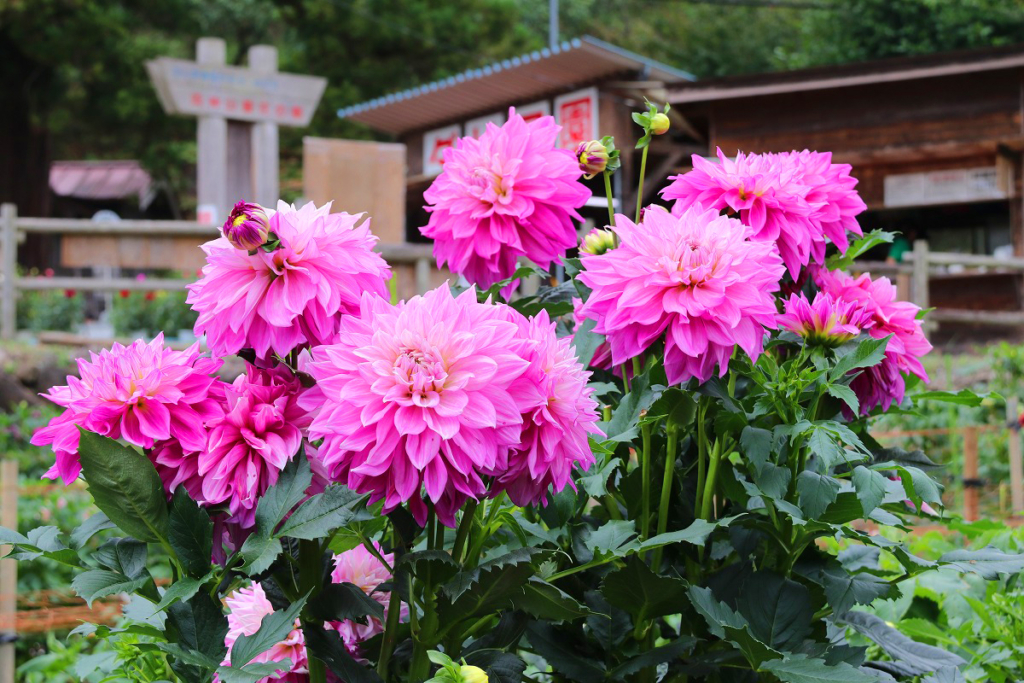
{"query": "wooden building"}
(591, 88)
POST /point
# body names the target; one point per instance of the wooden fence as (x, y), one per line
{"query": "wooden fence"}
(412, 264)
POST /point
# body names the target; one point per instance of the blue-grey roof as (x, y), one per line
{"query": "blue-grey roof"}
(571, 63)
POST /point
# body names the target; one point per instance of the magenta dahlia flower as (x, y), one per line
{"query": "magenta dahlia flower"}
(293, 296)
(560, 413)
(795, 199)
(883, 315)
(177, 467)
(259, 433)
(825, 322)
(360, 567)
(506, 194)
(247, 608)
(697, 278)
(419, 397)
(142, 393)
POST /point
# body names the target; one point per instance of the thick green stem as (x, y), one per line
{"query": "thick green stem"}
(387, 646)
(311, 573)
(317, 670)
(645, 470)
(709, 487)
(702, 454)
(464, 526)
(672, 433)
(611, 206)
(640, 189)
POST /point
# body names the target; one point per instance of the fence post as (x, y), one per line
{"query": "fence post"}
(1016, 471)
(970, 473)
(422, 275)
(8, 269)
(8, 571)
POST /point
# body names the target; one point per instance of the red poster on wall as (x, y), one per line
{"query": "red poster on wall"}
(576, 113)
(434, 144)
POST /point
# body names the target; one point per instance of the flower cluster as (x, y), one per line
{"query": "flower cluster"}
(506, 194)
(794, 199)
(698, 279)
(363, 569)
(293, 295)
(430, 394)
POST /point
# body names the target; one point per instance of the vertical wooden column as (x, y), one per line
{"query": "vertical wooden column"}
(8, 270)
(8, 570)
(265, 171)
(919, 283)
(1016, 471)
(212, 142)
(970, 476)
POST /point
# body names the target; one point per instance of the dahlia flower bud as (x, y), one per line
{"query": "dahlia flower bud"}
(472, 674)
(659, 124)
(598, 241)
(247, 227)
(593, 158)
(453, 672)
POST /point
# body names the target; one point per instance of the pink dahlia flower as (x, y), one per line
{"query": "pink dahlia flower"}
(293, 296)
(559, 416)
(177, 467)
(795, 199)
(506, 194)
(358, 566)
(260, 432)
(419, 395)
(142, 393)
(697, 278)
(885, 383)
(248, 607)
(825, 322)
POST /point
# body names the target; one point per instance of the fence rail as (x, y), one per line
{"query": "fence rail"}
(411, 262)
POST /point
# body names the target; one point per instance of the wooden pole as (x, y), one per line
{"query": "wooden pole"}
(919, 284)
(265, 157)
(1016, 472)
(8, 570)
(8, 270)
(212, 143)
(970, 473)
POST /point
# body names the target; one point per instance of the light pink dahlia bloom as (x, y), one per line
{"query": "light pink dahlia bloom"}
(248, 607)
(795, 199)
(418, 397)
(559, 415)
(142, 393)
(506, 194)
(885, 383)
(293, 296)
(825, 322)
(260, 432)
(697, 278)
(358, 566)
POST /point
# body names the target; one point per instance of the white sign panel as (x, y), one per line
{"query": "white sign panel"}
(435, 143)
(943, 187)
(476, 127)
(576, 113)
(534, 110)
(235, 92)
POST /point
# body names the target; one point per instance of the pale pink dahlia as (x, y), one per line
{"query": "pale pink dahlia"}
(419, 396)
(506, 194)
(885, 383)
(795, 199)
(260, 431)
(825, 322)
(697, 278)
(558, 415)
(248, 607)
(142, 393)
(358, 566)
(293, 296)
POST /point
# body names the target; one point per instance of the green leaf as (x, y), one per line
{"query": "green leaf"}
(947, 674)
(273, 629)
(756, 444)
(964, 397)
(328, 647)
(342, 601)
(778, 610)
(845, 394)
(96, 523)
(773, 480)
(182, 589)
(611, 538)
(190, 533)
(871, 487)
(717, 614)
(124, 556)
(644, 594)
(324, 512)
(488, 587)
(866, 354)
(586, 341)
(816, 492)
(124, 484)
(198, 626)
(259, 552)
(252, 672)
(625, 418)
(919, 486)
(675, 650)
(562, 654)
(857, 248)
(545, 601)
(98, 583)
(697, 533)
(499, 667)
(843, 589)
(803, 669)
(280, 498)
(915, 658)
(989, 562)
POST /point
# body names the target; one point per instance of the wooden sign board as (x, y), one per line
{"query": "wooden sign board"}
(950, 186)
(476, 127)
(173, 253)
(576, 113)
(234, 92)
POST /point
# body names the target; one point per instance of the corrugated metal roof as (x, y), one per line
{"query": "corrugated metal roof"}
(520, 80)
(99, 179)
